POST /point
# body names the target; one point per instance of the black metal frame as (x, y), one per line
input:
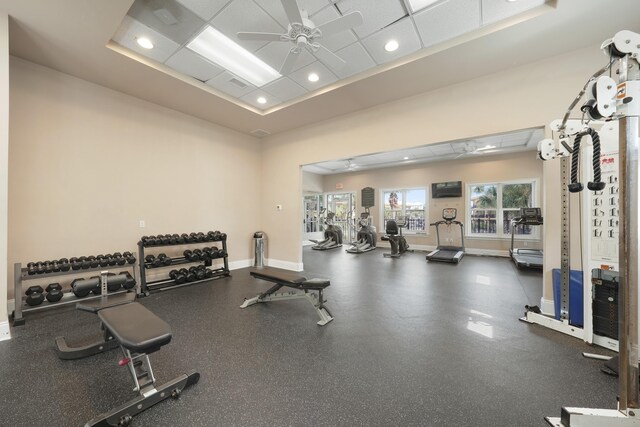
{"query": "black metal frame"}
(165, 284)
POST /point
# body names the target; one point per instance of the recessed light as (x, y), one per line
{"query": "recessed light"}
(145, 42)
(406, 158)
(391, 46)
(262, 100)
(313, 77)
(511, 1)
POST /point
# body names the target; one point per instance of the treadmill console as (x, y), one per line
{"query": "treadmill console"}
(529, 216)
(449, 214)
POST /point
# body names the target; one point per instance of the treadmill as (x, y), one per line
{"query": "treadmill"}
(452, 254)
(524, 257)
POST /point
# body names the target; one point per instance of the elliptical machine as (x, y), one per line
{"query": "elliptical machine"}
(366, 237)
(394, 236)
(332, 235)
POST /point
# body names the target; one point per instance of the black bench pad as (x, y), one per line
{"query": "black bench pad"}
(288, 278)
(135, 327)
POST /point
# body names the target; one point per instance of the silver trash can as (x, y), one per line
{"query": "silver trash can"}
(259, 239)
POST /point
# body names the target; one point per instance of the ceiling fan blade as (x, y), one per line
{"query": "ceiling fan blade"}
(271, 37)
(329, 58)
(343, 23)
(289, 62)
(292, 11)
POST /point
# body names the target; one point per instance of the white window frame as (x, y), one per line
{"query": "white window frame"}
(403, 190)
(535, 202)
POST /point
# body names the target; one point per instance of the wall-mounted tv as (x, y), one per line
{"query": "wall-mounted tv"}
(446, 189)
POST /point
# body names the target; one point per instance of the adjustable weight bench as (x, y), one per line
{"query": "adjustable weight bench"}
(304, 289)
(139, 333)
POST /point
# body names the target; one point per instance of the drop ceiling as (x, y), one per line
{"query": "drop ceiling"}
(511, 142)
(74, 37)
(172, 25)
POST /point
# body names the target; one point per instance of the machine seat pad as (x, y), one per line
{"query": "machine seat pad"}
(315, 284)
(135, 327)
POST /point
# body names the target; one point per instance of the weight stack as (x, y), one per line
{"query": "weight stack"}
(605, 302)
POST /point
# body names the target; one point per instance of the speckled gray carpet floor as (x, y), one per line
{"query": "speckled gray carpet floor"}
(412, 343)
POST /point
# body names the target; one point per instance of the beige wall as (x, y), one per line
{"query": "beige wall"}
(87, 163)
(518, 98)
(312, 182)
(476, 169)
(4, 160)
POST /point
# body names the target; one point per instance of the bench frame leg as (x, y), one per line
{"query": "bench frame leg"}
(118, 416)
(317, 301)
(70, 353)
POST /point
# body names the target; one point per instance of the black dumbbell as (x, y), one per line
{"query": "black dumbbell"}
(197, 253)
(184, 237)
(167, 260)
(178, 277)
(188, 255)
(34, 295)
(193, 237)
(55, 266)
(120, 260)
(64, 264)
(93, 261)
(158, 262)
(201, 273)
(209, 273)
(222, 253)
(143, 240)
(191, 275)
(129, 258)
(75, 264)
(210, 236)
(48, 267)
(31, 268)
(130, 283)
(151, 241)
(223, 236)
(112, 260)
(85, 263)
(54, 292)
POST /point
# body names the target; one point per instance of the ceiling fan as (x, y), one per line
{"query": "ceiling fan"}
(304, 34)
(470, 148)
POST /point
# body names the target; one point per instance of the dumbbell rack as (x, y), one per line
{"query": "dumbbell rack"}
(164, 284)
(20, 275)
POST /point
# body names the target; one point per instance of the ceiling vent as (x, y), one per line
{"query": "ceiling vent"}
(165, 16)
(260, 133)
(238, 83)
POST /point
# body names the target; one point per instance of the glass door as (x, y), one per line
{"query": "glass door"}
(344, 207)
(313, 217)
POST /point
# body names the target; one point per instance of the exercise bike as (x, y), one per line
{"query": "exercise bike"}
(394, 236)
(332, 235)
(366, 237)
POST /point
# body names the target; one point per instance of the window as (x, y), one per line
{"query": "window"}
(409, 204)
(492, 206)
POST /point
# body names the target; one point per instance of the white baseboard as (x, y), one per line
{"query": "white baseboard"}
(287, 265)
(242, 263)
(547, 307)
(5, 332)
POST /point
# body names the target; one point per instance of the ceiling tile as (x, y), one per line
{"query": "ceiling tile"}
(403, 32)
(447, 20)
(205, 9)
(326, 76)
(275, 52)
(130, 30)
(334, 41)
(252, 99)
(191, 64)
(357, 59)
(375, 17)
(168, 18)
(275, 9)
(245, 15)
(496, 10)
(284, 89)
(231, 85)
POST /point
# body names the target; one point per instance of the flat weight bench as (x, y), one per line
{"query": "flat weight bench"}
(139, 333)
(304, 289)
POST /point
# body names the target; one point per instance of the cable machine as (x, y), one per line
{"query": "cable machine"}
(606, 100)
